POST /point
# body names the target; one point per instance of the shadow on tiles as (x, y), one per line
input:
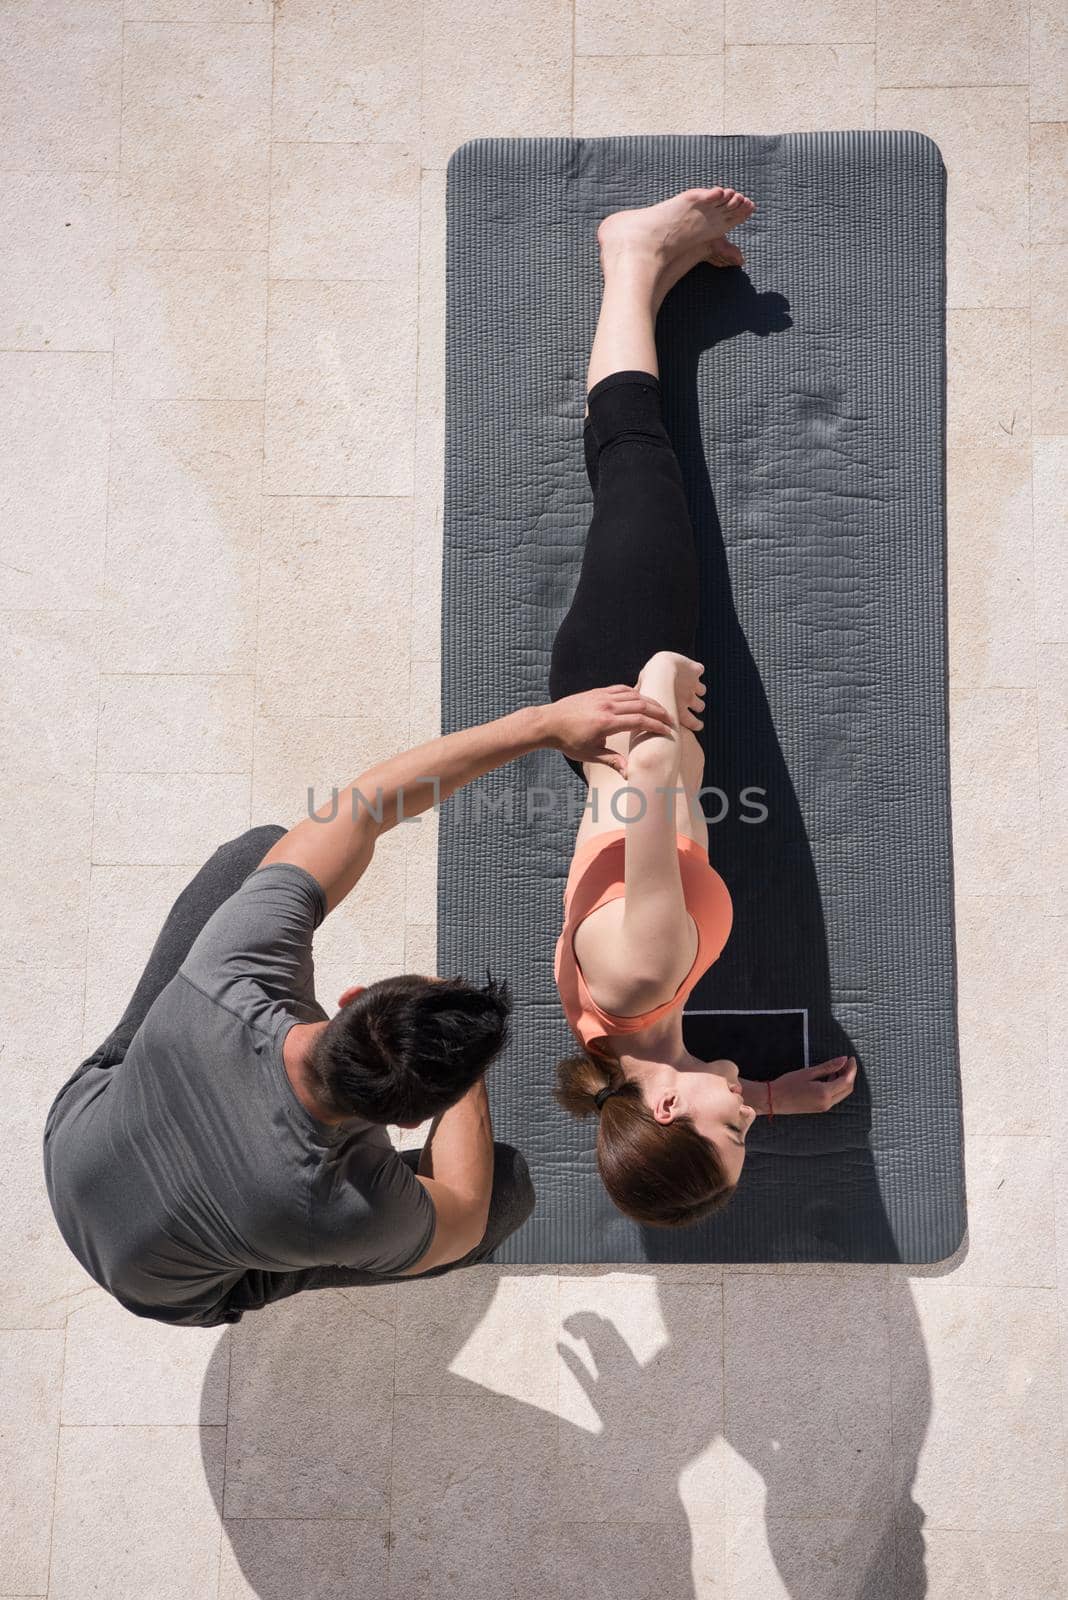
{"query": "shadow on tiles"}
(491, 1437)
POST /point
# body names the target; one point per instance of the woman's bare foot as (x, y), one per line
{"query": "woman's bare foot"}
(673, 236)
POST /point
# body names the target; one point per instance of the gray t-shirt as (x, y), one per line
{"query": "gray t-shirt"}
(192, 1160)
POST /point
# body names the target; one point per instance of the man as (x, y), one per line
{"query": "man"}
(226, 1146)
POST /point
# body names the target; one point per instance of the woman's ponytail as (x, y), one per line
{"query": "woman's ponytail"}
(664, 1174)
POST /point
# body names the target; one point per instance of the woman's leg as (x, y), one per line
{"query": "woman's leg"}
(637, 587)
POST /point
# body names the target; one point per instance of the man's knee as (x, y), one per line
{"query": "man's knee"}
(513, 1196)
(249, 848)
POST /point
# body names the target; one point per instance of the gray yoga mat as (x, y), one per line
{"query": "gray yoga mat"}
(805, 394)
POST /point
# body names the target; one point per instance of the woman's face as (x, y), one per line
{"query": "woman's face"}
(712, 1098)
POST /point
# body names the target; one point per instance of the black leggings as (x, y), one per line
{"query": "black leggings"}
(637, 591)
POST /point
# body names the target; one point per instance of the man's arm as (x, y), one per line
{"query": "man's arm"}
(337, 849)
(456, 1169)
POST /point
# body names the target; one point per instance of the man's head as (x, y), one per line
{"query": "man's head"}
(405, 1049)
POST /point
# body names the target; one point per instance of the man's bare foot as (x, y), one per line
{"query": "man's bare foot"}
(688, 228)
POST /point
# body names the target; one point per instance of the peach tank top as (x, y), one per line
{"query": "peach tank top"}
(595, 878)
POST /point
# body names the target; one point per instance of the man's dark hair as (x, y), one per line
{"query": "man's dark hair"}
(407, 1048)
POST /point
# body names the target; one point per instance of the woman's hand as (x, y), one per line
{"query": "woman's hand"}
(689, 687)
(812, 1089)
(579, 724)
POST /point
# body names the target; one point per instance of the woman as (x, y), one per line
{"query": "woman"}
(645, 915)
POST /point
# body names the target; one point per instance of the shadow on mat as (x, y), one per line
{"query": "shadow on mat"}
(776, 960)
(605, 1468)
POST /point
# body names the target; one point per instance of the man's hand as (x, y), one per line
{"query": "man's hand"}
(812, 1089)
(579, 725)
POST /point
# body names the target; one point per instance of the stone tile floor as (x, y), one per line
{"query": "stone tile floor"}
(214, 213)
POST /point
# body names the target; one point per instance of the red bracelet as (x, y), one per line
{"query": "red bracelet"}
(771, 1114)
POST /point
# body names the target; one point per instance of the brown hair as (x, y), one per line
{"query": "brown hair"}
(664, 1174)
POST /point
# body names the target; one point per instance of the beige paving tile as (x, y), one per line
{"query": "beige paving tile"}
(1053, 776)
(422, 868)
(302, 760)
(195, 136)
(826, 1269)
(954, 44)
(991, 567)
(301, 1559)
(35, 1274)
(57, 253)
(1055, 973)
(183, 536)
(1010, 1210)
(127, 909)
(472, 89)
(344, 211)
(814, 22)
(1049, 61)
(135, 1512)
(989, 395)
(1049, 337)
(191, 324)
(1049, 182)
(424, 703)
(994, 767)
(198, 10)
(493, 1328)
(311, 1385)
(470, 1470)
(422, 837)
(427, 543)
(44, 999)
(799, 88)
(123, 1370)
(810, 1427)
(346, 73)
(671, 1559)
(641, 1396)
(44, 874)
(1002, 1013)
(334, 604)
(54, 421)
(967, 124)
(1057, 997)
(430, 422)
(1050, 460)
(48, 694)
(432, 244)
(31, 1373)
(998, 1566)
(977, 1426)
(776, 1558)
(62, 77)
(363, 940)
(649, 93)
(158, 819)
(340, 388)
(177, 723)
(613, 28)
(421, 948)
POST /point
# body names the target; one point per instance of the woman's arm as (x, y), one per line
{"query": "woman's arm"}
(657, 938)
(808, 1090)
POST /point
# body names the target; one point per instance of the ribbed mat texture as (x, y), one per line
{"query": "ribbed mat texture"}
(805, 394)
